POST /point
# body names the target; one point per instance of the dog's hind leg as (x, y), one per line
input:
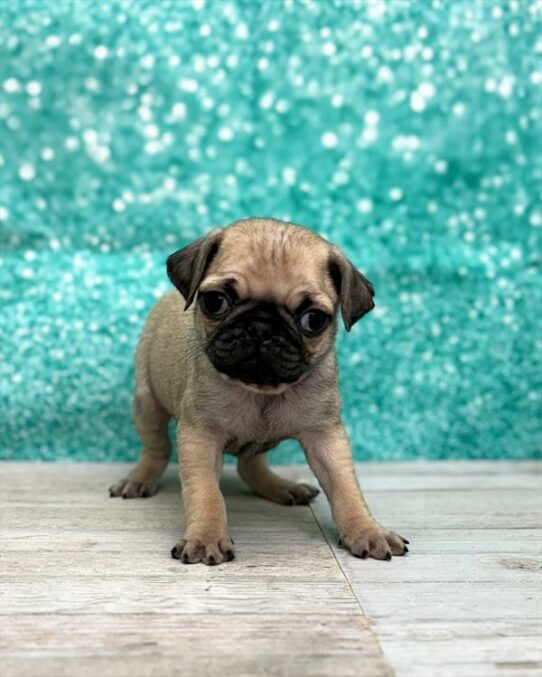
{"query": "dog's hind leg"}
(255, 471)
(151, 421)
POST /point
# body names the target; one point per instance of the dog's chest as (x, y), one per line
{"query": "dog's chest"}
(258, 424)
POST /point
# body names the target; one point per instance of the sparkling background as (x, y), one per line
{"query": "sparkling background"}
(409, 133)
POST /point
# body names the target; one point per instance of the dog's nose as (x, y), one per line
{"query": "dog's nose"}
(259, 330)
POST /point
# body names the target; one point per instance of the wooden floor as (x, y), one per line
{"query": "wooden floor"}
(89, 588)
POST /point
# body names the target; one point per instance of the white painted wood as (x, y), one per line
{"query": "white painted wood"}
(452, 601)
(258, 558)
(401, 511)
(438, 568)
(89, 587)
(467, 600)
(449, 509)
(393, 501)
(430, 476)
(399, 469)
(454, 502)
(485, 641)
(274, 663)
(466, 668)
(426, 541)
(175, 593)
(436, 476)
(465, 648)
(62, 634)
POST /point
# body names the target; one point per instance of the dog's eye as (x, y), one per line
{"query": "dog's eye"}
(214, 303)
(313, 321)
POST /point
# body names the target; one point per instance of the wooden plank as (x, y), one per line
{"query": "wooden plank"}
(447, 509)
(435, 483)
(415, 467)
(92, 489)
(255, 559)
(438, 568)
(90, 482)
(145, 633)
(127, 608)
(148, 514)
(466, 668)
(429, 477)
(464, 648)
(467, 600)
(475, 541)
(453, 502)
(406, 522)
(176, 592)
(462, 468)
(453, 601)
(398, 513)
(276, 663)
(89, 587)
(482, 642)
(424, 541)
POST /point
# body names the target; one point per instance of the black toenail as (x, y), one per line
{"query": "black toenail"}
(365, 554)
(405, 541)
(211, 560)
(230, 555)
(405, 550)
(185, 558)
(340, 542)
(388, 556)
(174, 552)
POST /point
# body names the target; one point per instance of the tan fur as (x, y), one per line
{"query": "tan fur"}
(272, 261)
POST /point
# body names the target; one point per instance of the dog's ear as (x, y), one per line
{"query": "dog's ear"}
(355, 292)
(186, 267)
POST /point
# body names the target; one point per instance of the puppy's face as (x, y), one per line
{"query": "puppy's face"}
(267, 310)
(267, 294)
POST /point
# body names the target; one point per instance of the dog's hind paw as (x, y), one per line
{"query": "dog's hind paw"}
(132, 489)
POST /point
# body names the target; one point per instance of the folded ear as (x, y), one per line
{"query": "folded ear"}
(355, 292)
(186, 267)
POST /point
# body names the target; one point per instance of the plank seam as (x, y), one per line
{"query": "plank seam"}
(364, 616)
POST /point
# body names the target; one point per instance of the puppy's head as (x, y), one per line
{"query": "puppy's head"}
(267, 295)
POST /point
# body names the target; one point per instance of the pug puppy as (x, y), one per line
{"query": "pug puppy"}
(246, 361)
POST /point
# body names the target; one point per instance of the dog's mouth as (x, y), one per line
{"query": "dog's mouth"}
(259, 350)
(260, 374)
(269, 367)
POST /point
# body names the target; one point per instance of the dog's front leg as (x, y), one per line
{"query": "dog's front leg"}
(330, 458)
(200, 463)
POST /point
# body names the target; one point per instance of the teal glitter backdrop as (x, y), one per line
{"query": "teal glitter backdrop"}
(409, 133)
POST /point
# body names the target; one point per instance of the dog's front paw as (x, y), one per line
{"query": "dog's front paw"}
(209, 550)
(372, 540)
